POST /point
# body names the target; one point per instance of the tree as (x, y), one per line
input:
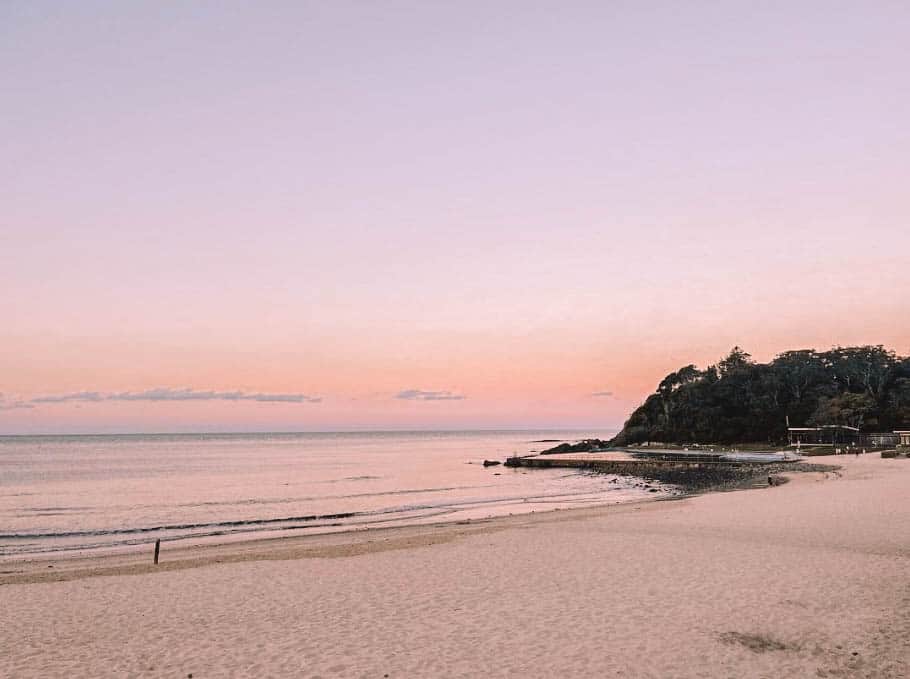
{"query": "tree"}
(675, 380)
(897, 414)
(737, 360)
(846, 409)
(863, 368)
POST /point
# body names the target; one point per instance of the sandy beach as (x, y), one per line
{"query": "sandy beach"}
(807, 579)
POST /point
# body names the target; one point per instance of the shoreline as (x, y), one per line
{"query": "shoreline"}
(355, 542)
(64, 567)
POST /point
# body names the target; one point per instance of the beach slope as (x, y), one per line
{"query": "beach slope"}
(806, 579)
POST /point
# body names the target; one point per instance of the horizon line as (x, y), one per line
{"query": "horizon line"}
(311, 431)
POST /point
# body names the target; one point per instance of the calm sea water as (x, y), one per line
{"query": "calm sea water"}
(79, 493)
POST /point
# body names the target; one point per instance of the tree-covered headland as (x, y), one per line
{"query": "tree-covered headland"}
(739, 400)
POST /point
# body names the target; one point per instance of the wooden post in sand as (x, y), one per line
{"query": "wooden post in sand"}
(157, 549)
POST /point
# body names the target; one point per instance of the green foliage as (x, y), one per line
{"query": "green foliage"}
(847, 408)
(739, 400)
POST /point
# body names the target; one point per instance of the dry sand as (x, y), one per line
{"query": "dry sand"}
(808, 579)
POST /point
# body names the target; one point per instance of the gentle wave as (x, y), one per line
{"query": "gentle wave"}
(63, 494)
(48, 542)
(251, 523)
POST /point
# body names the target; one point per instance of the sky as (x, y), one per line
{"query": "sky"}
(221, 216)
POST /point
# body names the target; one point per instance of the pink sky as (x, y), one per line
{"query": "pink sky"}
(522, 207)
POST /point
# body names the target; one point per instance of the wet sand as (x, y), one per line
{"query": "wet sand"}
(810, 578)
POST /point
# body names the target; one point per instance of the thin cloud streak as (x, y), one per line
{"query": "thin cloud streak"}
(92, 396)
(164, 394)
(168, 394)
(602, 394)
(13, 405)
(421, 395)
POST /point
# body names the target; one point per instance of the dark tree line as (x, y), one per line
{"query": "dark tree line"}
(739, 400)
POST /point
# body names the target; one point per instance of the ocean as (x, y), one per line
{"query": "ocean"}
(87, 494)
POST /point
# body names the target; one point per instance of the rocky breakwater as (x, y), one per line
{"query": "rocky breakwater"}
(585, 446)
(689, 474)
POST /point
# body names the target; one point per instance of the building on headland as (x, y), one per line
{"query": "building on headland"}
(841, 435)
(884, 439)
(826, 435)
